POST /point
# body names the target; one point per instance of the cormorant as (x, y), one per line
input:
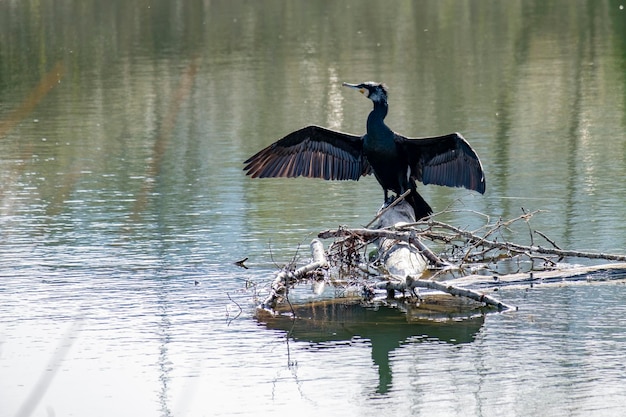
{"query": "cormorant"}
(396, 161)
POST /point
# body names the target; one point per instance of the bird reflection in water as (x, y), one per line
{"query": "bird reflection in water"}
(386, 328)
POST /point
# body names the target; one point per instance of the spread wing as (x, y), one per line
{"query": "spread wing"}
(313, 152)
(444, 160)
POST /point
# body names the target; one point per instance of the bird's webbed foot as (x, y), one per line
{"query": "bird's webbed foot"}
(390, 199)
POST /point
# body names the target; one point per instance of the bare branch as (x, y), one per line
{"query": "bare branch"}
(284, 278)
(395, 202)
(413, 282)
(547, 238)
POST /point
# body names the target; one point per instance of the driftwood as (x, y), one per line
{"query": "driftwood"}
(402, 254)
(404, 259)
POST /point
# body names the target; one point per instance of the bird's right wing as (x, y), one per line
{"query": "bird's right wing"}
(444, 160)
(313, 152)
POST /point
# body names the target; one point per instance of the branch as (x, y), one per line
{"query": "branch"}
(481, 241)
(389, 207)
(284, 278)
(547, 238)
(412, 282)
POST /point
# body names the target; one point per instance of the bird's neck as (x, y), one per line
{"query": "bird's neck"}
(377, 116)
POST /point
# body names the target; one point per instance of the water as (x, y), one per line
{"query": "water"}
(123, 206)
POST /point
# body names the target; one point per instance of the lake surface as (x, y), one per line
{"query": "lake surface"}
(123, 206)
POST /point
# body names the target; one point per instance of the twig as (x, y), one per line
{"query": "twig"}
(548, 239)
(238, 306)
(429, 254)
(293, 311)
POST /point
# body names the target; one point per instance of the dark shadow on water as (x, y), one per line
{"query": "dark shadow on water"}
(385, 327)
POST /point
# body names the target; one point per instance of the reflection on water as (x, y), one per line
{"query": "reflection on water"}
(326, 324)
(123, 205)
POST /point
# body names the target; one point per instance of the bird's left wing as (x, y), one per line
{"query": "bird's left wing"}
(444, 160)
(313, 152)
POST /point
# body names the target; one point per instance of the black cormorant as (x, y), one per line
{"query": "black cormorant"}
(396, 161)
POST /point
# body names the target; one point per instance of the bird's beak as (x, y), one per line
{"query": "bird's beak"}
(355, 86)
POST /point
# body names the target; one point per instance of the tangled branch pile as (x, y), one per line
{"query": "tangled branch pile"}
(460, 252)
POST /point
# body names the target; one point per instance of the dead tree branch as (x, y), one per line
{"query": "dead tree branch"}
(413, 282)
(388, 208)
(477, 240)
(285, 278)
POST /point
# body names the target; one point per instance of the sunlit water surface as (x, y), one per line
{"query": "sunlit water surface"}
(123, 206)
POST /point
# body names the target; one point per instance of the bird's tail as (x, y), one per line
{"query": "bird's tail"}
(420, 206)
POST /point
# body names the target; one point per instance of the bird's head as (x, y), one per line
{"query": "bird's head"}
(376, 92)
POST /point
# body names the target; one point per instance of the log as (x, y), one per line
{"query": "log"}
(402, 236)
(399, 257)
